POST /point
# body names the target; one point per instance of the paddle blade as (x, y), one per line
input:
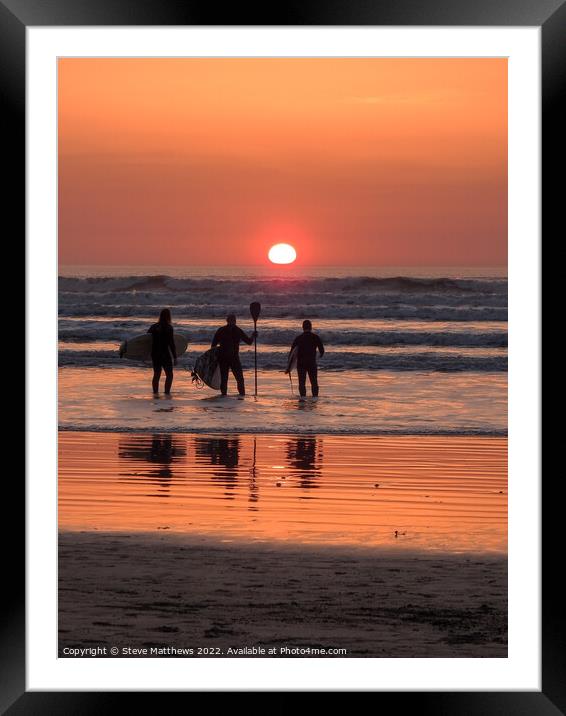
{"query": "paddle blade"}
(255, 310)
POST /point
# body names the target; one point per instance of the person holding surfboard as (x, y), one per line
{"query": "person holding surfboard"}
(303, 352)
(163, 351)
(228, 340)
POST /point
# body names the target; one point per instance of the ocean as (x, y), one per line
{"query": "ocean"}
(407, 351)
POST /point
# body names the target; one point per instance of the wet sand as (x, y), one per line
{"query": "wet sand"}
(447, 494)
(383, 546)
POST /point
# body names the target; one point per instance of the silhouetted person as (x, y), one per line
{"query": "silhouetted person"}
(228, 339)
(163, 351)
(307, 343)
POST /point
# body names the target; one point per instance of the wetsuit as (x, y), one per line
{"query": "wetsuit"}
(228, 339)
(307, 343)
(163, 353)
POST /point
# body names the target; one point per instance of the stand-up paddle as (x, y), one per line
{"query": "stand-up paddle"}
(255, 310)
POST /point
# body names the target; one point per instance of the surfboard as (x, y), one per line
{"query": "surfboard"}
(207, 369)
(139, 347)
(292, 360)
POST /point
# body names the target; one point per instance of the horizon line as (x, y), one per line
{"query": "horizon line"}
(289, 266)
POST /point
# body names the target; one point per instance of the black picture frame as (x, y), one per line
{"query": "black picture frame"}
(15, 17)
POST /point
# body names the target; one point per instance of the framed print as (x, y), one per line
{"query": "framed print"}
(283, 393)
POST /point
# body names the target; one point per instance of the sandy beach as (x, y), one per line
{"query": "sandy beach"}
(145, 591)
(382, 546)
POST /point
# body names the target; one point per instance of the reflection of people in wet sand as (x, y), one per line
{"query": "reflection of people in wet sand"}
(223, 452)
(253, 487)
(161, 450)
(304, 455)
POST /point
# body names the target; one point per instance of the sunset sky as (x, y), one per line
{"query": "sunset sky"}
(353, 161)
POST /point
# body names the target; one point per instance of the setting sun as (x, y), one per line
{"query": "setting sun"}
(282, 254)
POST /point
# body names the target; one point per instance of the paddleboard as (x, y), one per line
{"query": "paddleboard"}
(292, 360)
(207, 369)
(139, 347)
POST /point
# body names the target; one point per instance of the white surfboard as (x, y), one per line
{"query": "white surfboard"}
(139, 347)
(292, 360)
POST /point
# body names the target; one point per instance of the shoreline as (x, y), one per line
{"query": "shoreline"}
(351, 403)
(277, 432)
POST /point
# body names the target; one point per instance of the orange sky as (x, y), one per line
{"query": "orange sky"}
(354, 161)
